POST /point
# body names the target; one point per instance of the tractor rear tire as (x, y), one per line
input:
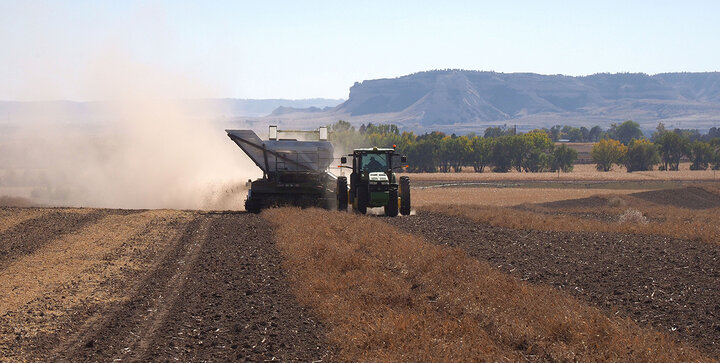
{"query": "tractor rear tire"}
(363, 197)
(391, 209)
(405, 195)
(342, 194)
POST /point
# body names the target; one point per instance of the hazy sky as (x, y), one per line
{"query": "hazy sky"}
(85, 50)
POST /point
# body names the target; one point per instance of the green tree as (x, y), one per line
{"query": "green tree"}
(713, 133)
(444, 153)
(462, 149)
(452, 153)
(625, 132)
(480, 153)
(641, 155)
(690, 134)
(536, 148)
(701, 155)
(501, 155)
(607, 152)
(585, 134)
(563, 158)
(422, 157)
(660, 129)
(594, 134)
(555, 132)
(341, 125)
(573, 134)
(671, 147)
(715, 145)
(497, 131)
(345, 138)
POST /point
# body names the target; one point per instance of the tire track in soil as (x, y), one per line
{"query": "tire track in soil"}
(10, 217)
(28, 236)
(111, 333)
(31, 276)
(668, 283)
(34, 331)
(239, 306)
(217, 294)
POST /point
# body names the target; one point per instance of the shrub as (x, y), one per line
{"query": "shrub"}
(607, 152)
(641, 155)
(633, 216)
(616, 202)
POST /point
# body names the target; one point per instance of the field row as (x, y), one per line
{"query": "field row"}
(449, 283)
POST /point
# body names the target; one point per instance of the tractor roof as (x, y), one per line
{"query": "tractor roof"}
(375, 149)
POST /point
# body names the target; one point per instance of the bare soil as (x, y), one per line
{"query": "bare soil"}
(205, 288)
(32, 234)
(667, 283)
(689, 197)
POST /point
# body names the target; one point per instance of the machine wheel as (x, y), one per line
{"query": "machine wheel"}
(252, 206)
(391, 209)
(405, 195)
(363, 196)
(342, 194)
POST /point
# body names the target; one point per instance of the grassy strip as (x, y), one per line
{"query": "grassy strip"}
(390, 296)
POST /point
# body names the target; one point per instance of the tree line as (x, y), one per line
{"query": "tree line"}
(665, 148)
(435, 151)
(502, 149)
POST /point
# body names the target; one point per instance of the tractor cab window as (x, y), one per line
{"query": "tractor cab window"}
(374, 162)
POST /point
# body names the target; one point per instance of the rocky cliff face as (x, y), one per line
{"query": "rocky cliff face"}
(457, 97)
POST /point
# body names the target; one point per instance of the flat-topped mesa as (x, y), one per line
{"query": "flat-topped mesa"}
(286, 150)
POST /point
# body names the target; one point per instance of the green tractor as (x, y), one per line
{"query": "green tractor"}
(373, 182)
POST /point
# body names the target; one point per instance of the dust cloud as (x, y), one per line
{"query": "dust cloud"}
(137, 148)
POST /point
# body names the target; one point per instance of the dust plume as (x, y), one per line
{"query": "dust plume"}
(138, 148)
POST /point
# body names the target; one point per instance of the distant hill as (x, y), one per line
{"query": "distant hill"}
(465, 100)
(212, 107)
(262, 107)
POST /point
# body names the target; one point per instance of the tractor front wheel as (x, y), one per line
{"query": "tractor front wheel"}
(405, 195)
(391, 209)
(363, 196)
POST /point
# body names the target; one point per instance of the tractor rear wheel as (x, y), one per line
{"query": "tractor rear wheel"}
(405, 195)
(391, 209)
(363, 196)
(342, 194)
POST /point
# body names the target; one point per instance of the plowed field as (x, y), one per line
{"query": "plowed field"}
(311, 285)
(102, 285)
(670, 284)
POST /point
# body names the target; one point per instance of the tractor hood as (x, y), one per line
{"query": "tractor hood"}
(378, 176)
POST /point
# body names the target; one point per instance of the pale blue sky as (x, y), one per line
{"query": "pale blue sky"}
(303, 49)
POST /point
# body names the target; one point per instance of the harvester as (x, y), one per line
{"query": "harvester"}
(294, 166)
